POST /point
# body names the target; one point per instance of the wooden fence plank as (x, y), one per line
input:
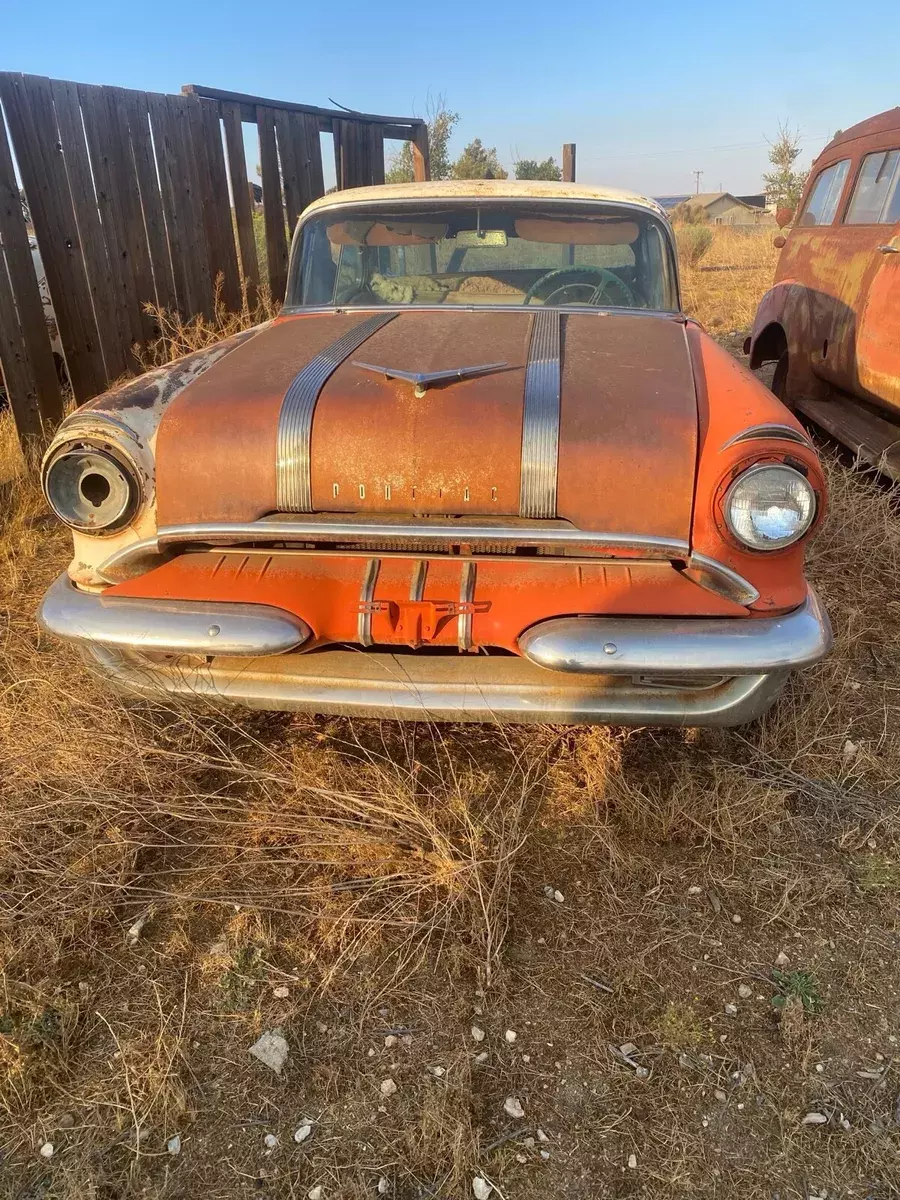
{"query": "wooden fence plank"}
(244, 98)
(162, 127)
(28, 366)
(114, 344)
(125, 179)
(137, 111)
(205, 141)
(227, 260)
(187, 189)
(243, 213)
(289, 170)
(421, 156)
(376, 153)
(104, 149)
(273, 209)
(28, 103)
(313, 179)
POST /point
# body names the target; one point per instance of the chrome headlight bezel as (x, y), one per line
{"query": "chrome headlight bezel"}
(745, 479)
(103, 465)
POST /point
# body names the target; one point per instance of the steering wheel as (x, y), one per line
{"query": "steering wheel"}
(572, 279)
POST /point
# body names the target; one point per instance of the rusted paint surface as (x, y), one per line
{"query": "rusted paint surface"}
(731, 400)
(837, 296)
(377, 447)
(232, 412)
(509, 596)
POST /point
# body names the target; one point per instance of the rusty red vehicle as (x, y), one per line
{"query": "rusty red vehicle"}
(481, 467)
(831, 323)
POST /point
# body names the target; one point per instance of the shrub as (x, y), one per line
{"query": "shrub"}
(693, 242)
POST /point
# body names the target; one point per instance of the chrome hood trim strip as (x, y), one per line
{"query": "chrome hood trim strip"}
(294, 484)
(540, 420)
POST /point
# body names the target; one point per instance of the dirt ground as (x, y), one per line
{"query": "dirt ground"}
(449, 925)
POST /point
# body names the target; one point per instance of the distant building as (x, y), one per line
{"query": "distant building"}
(722, 208)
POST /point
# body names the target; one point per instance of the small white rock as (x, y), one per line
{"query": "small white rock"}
(390, 1041)
(781, 959)
(315, 1193)
(814, 1118)
(271, 1140)
(736, 919)
(541, 1136)
(695, 889)
(632, 1162)
(477, 1034)
(46, 1151)
(850, 749)
(281, 992)
(512, 1105)
(271, 1049)
(388, 1087)
(301, 1134)
(731, 1010)
(545, 1154)
(383, 1186)
(481, 1189)
(521, 1158)
(745, 991)
(720, 1095)
(482, 1057)
(510, 1035)
(559, 897)
(173, 1145)
(438, 1072)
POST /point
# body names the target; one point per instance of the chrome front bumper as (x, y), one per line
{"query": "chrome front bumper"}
(602, 670)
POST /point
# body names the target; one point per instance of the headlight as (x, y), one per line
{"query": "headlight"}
(90, 488)
(770, 506)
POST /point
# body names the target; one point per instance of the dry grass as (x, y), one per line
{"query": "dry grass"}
(392, 879)
(724, 288)
(178, 336)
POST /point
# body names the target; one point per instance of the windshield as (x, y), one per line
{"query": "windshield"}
(503, 253)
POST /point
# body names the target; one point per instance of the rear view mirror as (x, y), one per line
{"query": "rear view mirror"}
(784, 216)
(470, 238)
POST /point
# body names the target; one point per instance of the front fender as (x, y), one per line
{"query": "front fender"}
(783, 310)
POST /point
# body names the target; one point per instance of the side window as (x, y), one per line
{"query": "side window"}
(876, 197)
(826, 192)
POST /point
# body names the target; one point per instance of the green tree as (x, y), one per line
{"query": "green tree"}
(784, 184)
(440, 122)
(529, 168)
(478, 162)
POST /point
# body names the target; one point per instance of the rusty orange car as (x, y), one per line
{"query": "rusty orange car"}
(831, 323)
(481, 467)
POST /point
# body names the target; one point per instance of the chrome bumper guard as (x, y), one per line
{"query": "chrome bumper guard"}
(169, 626)
(683, 646)
(600, 670)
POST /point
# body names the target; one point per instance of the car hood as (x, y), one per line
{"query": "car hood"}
(627, 426)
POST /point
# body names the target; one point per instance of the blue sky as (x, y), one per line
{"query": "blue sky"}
(649, 92)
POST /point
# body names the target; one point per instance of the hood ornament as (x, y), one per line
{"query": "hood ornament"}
(425, 379)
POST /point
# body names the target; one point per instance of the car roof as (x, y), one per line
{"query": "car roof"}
(880, 123)
(475, 189)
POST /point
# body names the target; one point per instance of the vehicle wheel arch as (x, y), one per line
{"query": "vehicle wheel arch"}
(769, 346)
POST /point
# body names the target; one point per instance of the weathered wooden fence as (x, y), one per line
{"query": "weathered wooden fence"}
(137, 198)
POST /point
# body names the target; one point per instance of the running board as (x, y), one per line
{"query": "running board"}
(871, 436)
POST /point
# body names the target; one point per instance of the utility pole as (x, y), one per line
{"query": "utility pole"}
(568, 162)
(696, 175)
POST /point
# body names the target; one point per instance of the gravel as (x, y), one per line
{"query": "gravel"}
(388, 1087)
(512, 1106)
(481, 1189)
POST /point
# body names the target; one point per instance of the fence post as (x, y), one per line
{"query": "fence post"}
(421, 157)
(25, 353)
(568, 163)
